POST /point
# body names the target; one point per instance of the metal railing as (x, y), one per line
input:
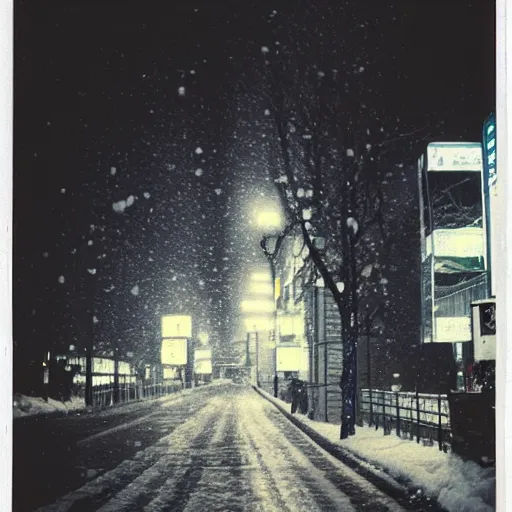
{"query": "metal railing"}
(411, 414)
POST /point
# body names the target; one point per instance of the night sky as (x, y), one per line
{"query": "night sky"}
(99, 118)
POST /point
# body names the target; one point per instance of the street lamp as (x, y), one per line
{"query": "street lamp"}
(270, 246)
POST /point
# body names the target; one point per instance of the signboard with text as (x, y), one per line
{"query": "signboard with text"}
(176, 326)
(174, 351)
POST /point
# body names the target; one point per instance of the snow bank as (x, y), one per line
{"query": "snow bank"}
(30, 406)
(457, 485)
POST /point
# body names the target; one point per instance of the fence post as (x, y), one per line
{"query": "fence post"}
(440, 426)
(417, 417)
(384, 411)
(371, 407)
(397, 415)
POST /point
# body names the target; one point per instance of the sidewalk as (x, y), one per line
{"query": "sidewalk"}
(399, 466)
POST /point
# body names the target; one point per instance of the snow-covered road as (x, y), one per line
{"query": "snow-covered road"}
(232, 452)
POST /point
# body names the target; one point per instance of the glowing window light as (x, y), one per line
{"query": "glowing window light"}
(260, 277)
(261, 288)
(257, 306)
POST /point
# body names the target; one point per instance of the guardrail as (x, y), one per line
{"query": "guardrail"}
(420, 415)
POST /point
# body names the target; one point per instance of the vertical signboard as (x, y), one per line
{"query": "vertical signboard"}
(453, 254)
(490, 195)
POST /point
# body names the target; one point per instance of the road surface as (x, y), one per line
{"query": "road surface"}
(217, 448)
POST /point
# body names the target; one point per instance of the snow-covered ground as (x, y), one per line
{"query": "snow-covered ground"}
(30, 406)
(457, 485)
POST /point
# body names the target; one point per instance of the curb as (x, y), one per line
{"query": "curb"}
(400, 493)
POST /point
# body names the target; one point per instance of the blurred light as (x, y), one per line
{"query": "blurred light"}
(258, 323)
(261, 288)
(269, 219)
(260, 276)
(203, 337)
(257, 306)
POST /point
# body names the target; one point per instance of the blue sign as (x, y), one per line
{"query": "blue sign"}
(489, 149)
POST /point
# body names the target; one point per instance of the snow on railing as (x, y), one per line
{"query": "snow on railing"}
(425, 416)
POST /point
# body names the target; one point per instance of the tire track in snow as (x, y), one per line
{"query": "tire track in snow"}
(363, 494)
(95, 493)
(298, 483)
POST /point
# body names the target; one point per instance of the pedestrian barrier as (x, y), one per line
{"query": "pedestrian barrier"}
(412, 415)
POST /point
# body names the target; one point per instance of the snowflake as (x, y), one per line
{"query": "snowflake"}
(352, 223)
(264, 49)
(62, 190)
(199, 172)
(113, 171)
(95, 319)
(130, 200)
(91, 271)
(199, 151)
(45, 255)
(147, 195)
(120, 206)
(135, 290)
(340, 286)
(350, 152)
(181, 91)
(307, 214)
(267, 112)
(218, 191)
(62, 280)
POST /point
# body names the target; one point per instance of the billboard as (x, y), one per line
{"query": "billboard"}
(203, 361)
(454, 156)
(453, 239)
(174, 351)
(289, 359)
(176, 326)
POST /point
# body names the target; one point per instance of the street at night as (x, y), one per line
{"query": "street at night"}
(255, 256)
(223, 448)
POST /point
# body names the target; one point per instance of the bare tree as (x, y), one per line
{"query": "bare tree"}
(331, 160)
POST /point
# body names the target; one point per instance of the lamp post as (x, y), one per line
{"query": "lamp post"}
(270, 245)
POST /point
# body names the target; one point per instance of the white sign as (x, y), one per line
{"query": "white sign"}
(484, 336)
(290, 324)
(203, 361)
(289, 359)
(454, 156)
(457, 243)
(452, 329)
(176, 326)
(174, 351)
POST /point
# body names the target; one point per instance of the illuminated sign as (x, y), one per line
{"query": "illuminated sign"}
(203, 361)
(257, 306)
(176, 326)
(489, 148)
(457, 243)
(289, 359)
(174, 351)
(454, 156)
(290, 324)
(452, 329)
